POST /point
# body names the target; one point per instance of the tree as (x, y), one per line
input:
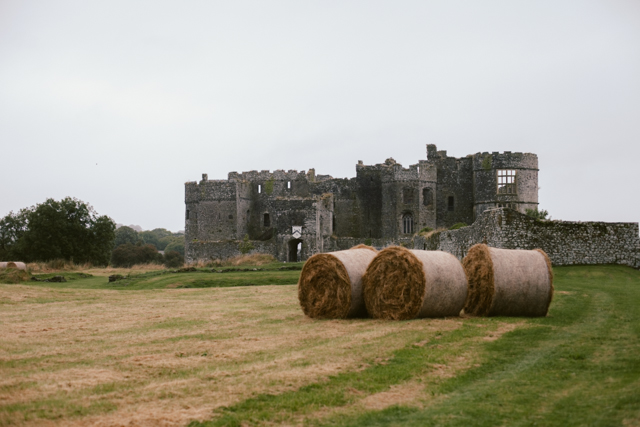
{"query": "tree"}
(67, 229)
(12, 227)
(158, 237)
(126, 234)
(177, 244)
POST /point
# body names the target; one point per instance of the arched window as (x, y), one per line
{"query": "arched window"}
(407, 224)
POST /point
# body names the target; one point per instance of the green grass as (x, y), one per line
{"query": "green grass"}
(203, 278)
(578, 366)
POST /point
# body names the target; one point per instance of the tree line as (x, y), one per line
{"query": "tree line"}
(70, 229)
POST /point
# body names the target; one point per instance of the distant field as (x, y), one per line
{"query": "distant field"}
(85, 353)
(165, 279)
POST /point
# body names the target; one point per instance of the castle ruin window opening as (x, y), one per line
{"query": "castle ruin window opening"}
(187, 214)
(506, 181)
(230, 216)
(407, 224)
(259, 188)
(427, 197)
(407, 195)
(451, 203)
(266, 220)
(288, 185)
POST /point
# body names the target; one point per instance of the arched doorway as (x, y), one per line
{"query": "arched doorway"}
(295, 250)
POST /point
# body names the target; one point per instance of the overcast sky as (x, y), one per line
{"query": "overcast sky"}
(119, 103)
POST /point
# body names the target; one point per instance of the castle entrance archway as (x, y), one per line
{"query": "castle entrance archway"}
(295, 250)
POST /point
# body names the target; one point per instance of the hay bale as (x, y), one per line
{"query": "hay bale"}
(403, 284)
(507, 282)
(330, 284)
(14, 264)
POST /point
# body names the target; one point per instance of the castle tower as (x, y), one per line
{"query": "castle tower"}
(505, 180)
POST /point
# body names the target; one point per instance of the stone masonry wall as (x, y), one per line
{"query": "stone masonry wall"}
(566, 242)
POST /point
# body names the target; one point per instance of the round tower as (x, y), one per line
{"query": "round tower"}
(505, 180)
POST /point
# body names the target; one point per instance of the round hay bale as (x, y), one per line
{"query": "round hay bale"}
(330, 284)
(403, 284)
(508, 282)
(14, 264)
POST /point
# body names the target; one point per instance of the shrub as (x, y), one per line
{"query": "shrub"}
(425, 230)
(173, 259)
(246, 245)
(536, 214)
(127, 255)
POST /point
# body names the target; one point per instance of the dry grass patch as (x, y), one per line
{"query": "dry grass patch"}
(101, 357)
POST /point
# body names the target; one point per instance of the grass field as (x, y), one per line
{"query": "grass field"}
(87, 353)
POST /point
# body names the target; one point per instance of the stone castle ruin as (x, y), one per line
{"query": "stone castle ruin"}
(294, 215)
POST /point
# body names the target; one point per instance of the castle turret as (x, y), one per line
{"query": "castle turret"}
(505, 180)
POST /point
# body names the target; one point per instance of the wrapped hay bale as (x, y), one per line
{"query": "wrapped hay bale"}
(403, 284)
(14, 264)
(330, 284)
(507, 282)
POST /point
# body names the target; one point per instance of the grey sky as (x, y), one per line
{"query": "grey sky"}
(118, 103)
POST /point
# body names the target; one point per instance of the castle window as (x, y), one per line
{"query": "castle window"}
(267, 220)
(187, 215)
(288, 185)
(259, 188)
(451, 204)
(427, 197)
(506, 181)
(407, 224)
(407, 195)
(230, 216)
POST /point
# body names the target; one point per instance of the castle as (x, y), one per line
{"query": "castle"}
(294, 215)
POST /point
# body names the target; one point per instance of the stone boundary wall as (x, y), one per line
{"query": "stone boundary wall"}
(223, 249)
(566, 242)
(205, 251)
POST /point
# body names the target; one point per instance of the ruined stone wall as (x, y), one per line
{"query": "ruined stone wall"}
(566, 242)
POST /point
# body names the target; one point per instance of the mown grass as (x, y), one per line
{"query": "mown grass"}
(248, 356)
(578, 366)
(201, 278)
